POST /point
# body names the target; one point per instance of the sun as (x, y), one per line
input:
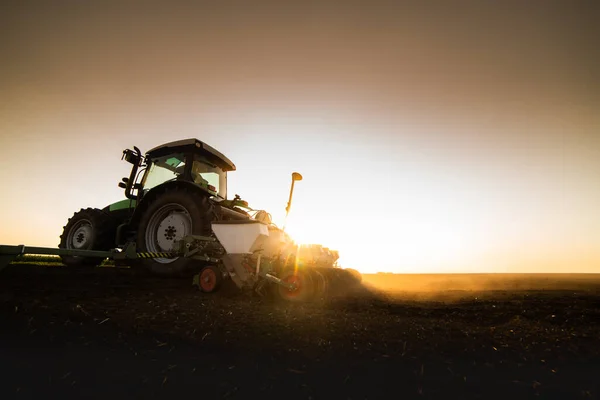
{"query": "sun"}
(301, 233)
(411, 245)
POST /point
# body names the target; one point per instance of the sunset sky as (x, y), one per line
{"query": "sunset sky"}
(432, 136)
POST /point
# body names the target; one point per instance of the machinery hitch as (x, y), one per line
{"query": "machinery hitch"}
(10, 253)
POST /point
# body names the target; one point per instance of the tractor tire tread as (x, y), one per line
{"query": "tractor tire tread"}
(203, 210)
(104, 228)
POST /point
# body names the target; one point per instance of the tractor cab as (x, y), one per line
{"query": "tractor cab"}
(176, 167)
(184, 160)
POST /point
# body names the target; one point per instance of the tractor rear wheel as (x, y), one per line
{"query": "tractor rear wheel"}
(87, 229)
(167, 218)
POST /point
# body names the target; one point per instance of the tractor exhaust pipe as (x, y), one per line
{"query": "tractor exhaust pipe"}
(295, 177)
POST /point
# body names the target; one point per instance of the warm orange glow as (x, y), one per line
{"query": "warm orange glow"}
(408, 242)
(422, 148)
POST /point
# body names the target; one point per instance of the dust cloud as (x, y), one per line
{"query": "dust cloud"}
(454, 287)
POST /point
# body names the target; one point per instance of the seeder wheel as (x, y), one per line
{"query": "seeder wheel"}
(321, 284)
(210, 279)
(305, 286)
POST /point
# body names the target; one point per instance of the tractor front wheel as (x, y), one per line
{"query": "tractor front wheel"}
(87, 229)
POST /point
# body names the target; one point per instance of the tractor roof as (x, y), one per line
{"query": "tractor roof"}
(195, 146)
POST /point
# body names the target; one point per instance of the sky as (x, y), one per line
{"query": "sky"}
(432, 136)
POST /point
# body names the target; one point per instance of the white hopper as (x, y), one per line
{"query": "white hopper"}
(240, 237)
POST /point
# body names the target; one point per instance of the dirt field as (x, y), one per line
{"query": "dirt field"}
(108, 334)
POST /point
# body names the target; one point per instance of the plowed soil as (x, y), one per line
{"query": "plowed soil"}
(109, 334)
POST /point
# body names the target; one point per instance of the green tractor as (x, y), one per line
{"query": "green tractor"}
(176, 220)
(175, 189)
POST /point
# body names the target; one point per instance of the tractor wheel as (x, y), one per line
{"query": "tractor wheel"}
(87, 229)
(305, 290)
(210, 279)
(167, 218)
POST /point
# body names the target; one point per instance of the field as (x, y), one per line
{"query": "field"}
(111, 334)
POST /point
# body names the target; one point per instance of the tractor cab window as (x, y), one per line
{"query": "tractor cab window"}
(205, 174)
(163, 169)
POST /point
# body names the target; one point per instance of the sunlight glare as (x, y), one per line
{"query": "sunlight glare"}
(415, 243)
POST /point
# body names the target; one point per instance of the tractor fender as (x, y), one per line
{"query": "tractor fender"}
(158, 190)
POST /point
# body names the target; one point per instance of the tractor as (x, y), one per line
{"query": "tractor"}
(177, 214)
